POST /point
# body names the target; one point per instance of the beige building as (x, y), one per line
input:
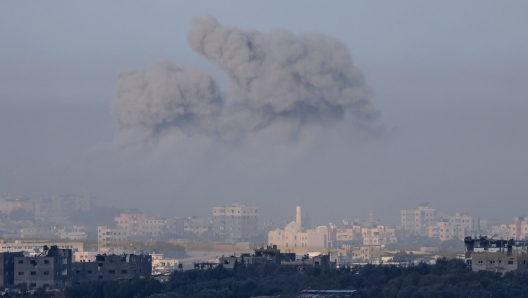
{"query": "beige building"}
(132, 221)
(370, 253)
(519, 228)
(501, 231)
(112, 240)
(379, 235)
(347, 234)
(85, 256)
(418, 221)
(294, 239)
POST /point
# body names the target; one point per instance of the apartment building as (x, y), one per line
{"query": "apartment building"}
(471, 224)
(133, 221)
(58, 208)
(154, 226)
(501, 231)
(8, 205)
(55, 268)
(455, 227)
(443, 231)
(7, 267)
(175, 225)
(50, 269)
(418, 221)
(236, 222)
(371, 253)
(112, 240)
(519, 228)
(196, 225)
(379, 235)
(347, 234)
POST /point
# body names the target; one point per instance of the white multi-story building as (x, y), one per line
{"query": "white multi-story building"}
(455, 227)
(236, 222)
(35, 246)
(418, 221)
(471, 224)
(443, 231)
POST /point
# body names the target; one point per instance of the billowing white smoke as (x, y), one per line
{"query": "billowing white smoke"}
(278, 80)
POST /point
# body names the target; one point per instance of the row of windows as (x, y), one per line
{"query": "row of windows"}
(34, 262)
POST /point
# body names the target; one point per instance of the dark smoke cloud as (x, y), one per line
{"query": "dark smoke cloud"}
(279, 82)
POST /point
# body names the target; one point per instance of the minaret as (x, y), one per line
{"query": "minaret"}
(298, 218)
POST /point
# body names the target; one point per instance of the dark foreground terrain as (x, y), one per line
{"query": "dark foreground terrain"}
(448, 278)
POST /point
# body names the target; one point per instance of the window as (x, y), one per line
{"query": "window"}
(89, 271)
(111, 271)
(21, 261)
(124, 272)
(21, 273)
(46, 261)
(33, 273)
(46, 272)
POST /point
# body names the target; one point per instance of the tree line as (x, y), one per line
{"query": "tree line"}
(447, 278)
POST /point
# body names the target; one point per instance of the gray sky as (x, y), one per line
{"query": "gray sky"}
(449, 78)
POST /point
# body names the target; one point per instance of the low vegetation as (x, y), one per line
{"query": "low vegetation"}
(447, 278)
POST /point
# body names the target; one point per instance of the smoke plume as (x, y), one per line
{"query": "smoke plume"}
(277, 79)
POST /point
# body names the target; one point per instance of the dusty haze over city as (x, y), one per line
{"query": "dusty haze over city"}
(342, 107)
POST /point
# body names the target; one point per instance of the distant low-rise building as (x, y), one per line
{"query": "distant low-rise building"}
(367, 253)
(35, 246)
